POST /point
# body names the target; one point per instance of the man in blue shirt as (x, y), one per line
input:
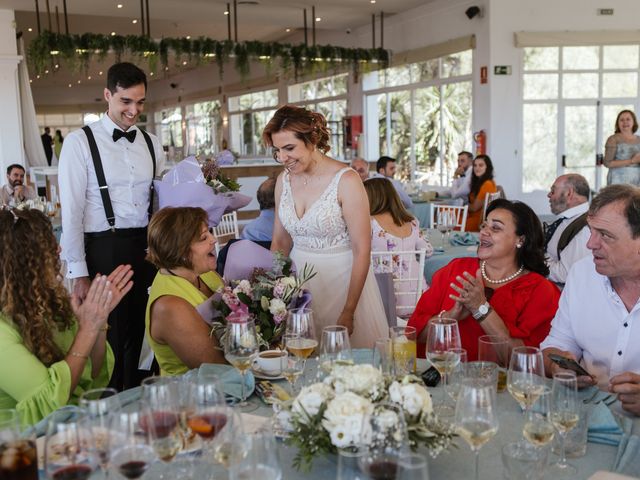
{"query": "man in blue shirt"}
(261, 228)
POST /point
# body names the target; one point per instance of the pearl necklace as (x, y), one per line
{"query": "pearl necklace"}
(502, 280)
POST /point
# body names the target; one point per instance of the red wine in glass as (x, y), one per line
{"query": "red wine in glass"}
(73, 472)
(207, 425)
(382, 470)
(18, 460)
(133, 469)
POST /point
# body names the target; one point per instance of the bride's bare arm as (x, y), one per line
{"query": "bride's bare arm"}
(355, 208)
(281, 239)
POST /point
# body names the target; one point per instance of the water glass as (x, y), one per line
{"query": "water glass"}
(261, 460)
(403, 349)
(523, 461)
(413, 466)
(443, 336)
(381, 358)
(494, 348)
(69, 448)
(18, 459)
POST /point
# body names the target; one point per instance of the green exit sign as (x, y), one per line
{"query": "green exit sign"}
(502, 70)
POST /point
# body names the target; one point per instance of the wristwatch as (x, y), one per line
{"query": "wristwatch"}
(482, 312)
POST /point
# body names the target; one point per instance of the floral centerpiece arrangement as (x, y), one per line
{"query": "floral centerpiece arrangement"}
(265, 296)
(329, 416)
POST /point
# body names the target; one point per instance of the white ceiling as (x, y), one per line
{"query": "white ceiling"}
(264, 20)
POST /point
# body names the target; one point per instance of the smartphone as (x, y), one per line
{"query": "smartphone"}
(431, 377)
(569, 364)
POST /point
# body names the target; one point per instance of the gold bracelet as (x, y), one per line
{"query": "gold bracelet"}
(79, 355)
(105, 328)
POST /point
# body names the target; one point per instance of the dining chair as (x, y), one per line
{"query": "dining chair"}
(459, 211)
(226, 230)
(407, 268)
(488, 198)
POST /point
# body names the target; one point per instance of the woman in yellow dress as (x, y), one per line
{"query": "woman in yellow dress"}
(183, 248)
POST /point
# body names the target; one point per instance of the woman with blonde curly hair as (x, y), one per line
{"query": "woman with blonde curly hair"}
(322, 219)
(52, 348)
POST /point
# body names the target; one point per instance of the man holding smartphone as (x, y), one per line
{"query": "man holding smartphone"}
(598, 318)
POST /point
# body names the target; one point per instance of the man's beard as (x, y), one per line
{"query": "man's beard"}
(16, 183)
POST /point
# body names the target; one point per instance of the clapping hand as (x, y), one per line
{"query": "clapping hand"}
(93, 311)
(121, 283)
(470, 291)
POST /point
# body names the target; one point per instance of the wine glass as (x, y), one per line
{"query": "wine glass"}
(384, 440)
(565, 413)
(206, 414)
(18, 458)
(525, 378)
(476, 417)
(300, 321)
(100, 404)
(241, 346)
(538, 428)
(69, 450)
(132, 454)
(161, 415)
(443, 336)
(457, 375)
(335, 347)
(292, 364)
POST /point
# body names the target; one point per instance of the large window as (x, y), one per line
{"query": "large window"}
(66, 122)
(571, 96)
(248, 115)
(327, 96)
(204, 128)
(420, 114)
(169, 131)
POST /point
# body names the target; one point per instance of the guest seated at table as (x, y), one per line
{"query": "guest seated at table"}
(361, 167)
(461, 184)
(386, 168)
(597, 323)
(261, 229)
(52, 348)
(481, 184)
(393, 229)
(183, 249)
(503, 291)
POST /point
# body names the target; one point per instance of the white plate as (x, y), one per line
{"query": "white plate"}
(260, 375)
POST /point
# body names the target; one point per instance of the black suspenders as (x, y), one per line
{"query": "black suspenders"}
(102, 182)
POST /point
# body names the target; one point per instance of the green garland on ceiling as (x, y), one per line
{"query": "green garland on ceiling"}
(77, 51)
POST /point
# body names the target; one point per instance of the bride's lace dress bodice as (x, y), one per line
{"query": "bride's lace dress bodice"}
(322, 226)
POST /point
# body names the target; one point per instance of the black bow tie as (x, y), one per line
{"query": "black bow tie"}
(118, 134)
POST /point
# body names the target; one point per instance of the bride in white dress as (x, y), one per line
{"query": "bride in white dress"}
(322, 219)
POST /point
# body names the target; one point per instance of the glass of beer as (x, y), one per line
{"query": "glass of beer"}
(18, 459)
(493, 348)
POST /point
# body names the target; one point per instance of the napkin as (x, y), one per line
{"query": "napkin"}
(602, 426)
(230, 379)
(465, 238)
(628, 456)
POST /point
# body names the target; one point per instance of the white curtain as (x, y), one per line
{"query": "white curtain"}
(34, 152)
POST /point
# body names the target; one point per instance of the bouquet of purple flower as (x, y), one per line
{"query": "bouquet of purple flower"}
(265, 297)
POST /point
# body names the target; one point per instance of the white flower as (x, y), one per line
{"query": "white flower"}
(412, 397)
(289, 281)
(277, 307)
(245, 287)
(344, 418)
(310, 399)
(362, 379)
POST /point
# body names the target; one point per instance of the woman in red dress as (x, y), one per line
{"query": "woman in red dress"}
(501, 292)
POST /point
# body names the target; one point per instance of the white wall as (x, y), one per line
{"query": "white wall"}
(11, 150)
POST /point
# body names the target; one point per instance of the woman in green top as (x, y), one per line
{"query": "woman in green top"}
(183, 249)
(52, 348)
